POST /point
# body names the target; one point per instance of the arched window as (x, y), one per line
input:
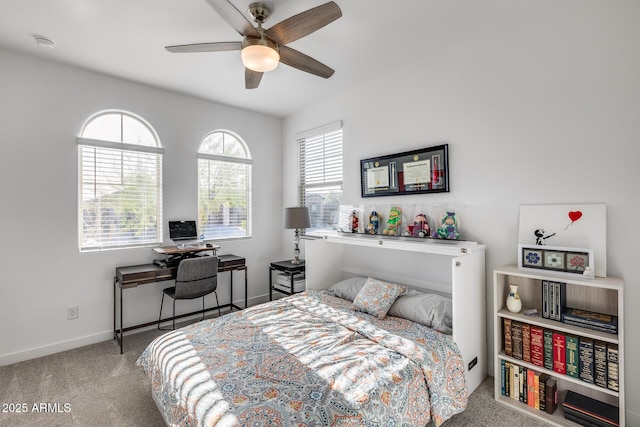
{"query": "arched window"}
(224, 186)
(120, 182)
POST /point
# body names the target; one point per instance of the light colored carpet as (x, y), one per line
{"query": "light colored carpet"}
(97, 386)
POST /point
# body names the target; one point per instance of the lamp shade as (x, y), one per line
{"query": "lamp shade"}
(297, 217)
(259, 54)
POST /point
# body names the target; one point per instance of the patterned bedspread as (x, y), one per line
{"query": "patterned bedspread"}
(305, 360)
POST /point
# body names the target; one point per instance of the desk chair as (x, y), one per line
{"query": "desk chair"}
(195, 278)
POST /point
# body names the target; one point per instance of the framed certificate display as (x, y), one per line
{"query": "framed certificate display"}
(425, 170)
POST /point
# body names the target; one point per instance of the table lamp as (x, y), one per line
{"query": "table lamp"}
(296, 218)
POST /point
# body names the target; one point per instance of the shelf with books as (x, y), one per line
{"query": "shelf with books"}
(585, 361)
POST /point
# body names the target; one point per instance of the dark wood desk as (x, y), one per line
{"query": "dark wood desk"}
(135, 275)
(288, 268)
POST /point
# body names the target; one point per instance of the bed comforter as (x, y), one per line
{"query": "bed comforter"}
(305, 360)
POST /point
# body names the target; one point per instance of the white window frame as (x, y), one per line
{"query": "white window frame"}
(327, 175)
(102, 147)
(232, 160)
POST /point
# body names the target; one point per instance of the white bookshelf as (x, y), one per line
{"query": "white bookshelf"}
(602, 295)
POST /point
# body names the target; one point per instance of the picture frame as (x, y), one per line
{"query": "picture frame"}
(557, 259)
(425, 170)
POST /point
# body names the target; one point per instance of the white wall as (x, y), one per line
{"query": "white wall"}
(538, 102)
(42, 108)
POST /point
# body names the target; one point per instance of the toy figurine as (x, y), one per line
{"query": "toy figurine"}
(374, 223)
(448, 229)
(394, 222)
(355, 222)
(420, 226)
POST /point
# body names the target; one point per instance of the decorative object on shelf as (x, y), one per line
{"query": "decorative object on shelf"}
(394, 222)
(567, 225)
(558, 259)
(448, 229)
(296, 218)
(355, 221)
(514, 304)
(374, 223)
(420, 226)
(425, 170)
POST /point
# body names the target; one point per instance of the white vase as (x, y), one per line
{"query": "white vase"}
(514, 304)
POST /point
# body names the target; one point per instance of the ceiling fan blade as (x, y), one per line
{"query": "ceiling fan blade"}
(252, 78)
(302, 62)
(234, 17)
(304, 23)
(204, 47)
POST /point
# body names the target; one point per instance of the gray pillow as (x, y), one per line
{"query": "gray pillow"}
(348, 288)
(430, 310)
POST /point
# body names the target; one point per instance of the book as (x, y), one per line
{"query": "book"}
(560, 296)
(548, 348)
(592, 318)
(516, 382)
(507, 379)
(559, 352)
(531, 387)
(516, 338)
(522, 392)
(537, 345)
(612, 367)
(536, 390)
(592, 327)
(552, 297)
(572, 359)
(600, 363)
(588, 407)
(508, 348)
(542, 388)
(502, 377)
(545, 299)
(551, 396)
(584, 420)
(526, 342)
(587, 366)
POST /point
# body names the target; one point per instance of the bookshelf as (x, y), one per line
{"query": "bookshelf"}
(601, 295)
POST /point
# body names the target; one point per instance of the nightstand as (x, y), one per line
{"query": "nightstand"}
(291, 270)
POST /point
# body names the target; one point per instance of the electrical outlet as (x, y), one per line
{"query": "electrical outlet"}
(72, 312)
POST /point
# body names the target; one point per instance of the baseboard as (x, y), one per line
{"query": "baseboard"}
(631, 419)
(46, 350)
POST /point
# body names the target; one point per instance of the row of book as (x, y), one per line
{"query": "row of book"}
(554, 307)
(536, 389)
(592, 361)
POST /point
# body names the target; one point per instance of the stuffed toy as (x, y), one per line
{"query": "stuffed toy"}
(374, 223)
(448, 229)
(420, 226)
(394, 222)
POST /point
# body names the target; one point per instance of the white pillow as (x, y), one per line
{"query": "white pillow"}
(348, 288)
(431, 310)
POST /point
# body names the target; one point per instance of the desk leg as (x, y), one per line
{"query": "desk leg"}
(292, 275)
(121, 324)
(246, 297)
(270, 284)
(231, 293)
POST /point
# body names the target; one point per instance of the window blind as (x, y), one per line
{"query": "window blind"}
(320, 187)
(120, 196)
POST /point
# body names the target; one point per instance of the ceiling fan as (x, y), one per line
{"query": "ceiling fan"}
(262, 49)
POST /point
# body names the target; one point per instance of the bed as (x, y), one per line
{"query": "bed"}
(319, 358)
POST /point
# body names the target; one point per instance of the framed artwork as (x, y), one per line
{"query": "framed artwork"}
(412, 172)
(580, 225)
(557, 259)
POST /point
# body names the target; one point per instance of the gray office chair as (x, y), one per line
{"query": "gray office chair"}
(195, 278)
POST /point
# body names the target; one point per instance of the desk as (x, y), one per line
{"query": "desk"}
(135, 275)
(175, 250)
(288, 268)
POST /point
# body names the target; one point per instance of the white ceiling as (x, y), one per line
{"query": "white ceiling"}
(126, 38)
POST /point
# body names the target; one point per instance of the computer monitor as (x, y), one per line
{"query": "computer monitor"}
(181, 232)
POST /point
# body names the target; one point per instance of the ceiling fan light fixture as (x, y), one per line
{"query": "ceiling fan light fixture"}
(259, 54)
